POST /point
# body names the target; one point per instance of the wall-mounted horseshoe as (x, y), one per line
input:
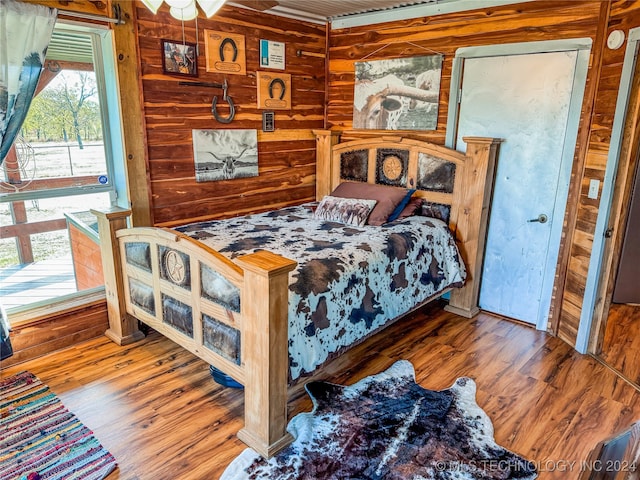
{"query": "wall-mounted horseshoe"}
(225, 42)
(214, 104)
(232, 109)
(283, 87)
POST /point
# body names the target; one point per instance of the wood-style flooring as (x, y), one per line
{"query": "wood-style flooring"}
(621, 343)
(154, 406)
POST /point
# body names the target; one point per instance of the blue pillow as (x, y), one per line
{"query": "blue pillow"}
(398, 210)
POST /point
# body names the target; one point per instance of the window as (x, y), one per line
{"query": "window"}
(67, 161)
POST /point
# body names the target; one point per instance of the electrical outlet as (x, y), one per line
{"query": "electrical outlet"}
(594, 187)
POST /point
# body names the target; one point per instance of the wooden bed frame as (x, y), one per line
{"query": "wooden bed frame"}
(175, 263)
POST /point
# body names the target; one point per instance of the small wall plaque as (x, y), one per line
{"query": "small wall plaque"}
(225, 52)
(272, 54)
(274, 90)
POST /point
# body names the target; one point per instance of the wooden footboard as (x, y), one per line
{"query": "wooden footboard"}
(233, 315)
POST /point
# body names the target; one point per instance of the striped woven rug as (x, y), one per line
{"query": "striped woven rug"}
(41, 439)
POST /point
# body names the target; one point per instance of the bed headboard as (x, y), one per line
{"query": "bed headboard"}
(440, 175)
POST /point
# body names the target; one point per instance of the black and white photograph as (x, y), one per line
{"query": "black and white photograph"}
(397, 94)
(225, 154)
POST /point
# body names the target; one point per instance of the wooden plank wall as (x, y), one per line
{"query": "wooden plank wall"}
(623, 15)
(525, 22)
(87, 260)
(286, 156)
(49, 333)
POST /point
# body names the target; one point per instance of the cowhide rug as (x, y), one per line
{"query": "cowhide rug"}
(388, 427)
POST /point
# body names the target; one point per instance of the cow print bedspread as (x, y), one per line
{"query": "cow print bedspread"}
(349, 281)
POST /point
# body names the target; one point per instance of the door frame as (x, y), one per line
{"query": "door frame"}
(582, 46)
(612, 213)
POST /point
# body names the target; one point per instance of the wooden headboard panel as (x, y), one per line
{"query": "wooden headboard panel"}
(464, 181)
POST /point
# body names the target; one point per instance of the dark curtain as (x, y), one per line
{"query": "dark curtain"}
(25, 32)
(5, 344)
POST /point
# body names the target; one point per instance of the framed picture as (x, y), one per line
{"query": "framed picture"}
(179, 58)
(397, 93)
(225, 154)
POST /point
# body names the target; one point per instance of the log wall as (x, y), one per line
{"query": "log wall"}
(171, 112)
(525, 22)
(623, 15)
(46, 334)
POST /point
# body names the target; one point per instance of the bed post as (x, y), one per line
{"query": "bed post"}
(473, 214)
(123, 328)
(325, 141)
(265, 350)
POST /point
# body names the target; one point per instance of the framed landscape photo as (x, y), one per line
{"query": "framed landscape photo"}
(179, 58)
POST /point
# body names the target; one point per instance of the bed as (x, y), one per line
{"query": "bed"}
(266, 298)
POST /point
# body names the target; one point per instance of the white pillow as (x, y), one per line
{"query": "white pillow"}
(352, 211)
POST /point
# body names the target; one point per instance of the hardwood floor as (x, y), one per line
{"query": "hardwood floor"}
(154, 406)
(621, 343)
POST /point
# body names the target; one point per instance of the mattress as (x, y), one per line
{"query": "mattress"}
(350, 281)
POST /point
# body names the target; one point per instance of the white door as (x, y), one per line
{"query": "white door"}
(524, 100)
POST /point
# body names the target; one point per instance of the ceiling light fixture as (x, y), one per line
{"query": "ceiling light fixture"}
(184, 13)
(185, 9)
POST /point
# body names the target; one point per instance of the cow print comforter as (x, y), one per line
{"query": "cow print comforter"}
(350, 281)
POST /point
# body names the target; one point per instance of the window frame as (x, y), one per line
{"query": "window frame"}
(108, 94)
(105, 68)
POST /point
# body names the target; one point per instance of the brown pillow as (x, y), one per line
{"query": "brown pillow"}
(411, 208)
(387, 198)
(436, 210)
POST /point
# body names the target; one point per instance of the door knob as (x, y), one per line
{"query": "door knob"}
(542, 218)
